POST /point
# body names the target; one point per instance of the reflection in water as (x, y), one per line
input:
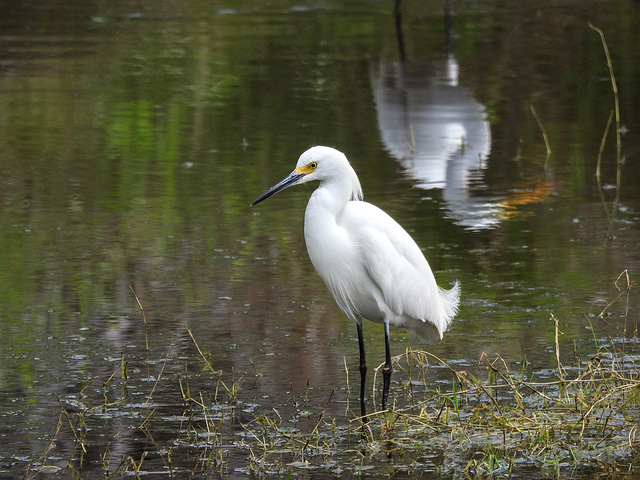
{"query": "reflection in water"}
(437, 131)
(440, 135)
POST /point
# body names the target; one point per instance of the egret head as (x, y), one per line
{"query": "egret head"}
(318, 163)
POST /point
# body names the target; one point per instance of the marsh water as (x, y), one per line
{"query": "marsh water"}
(134, 135)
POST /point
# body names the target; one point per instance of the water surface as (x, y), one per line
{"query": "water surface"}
(134, 137)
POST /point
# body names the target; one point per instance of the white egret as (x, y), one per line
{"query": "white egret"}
(369, 263)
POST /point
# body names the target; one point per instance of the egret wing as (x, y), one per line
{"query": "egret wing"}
(398, 267)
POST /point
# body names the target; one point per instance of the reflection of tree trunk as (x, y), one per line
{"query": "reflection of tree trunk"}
(447, 28)
(400, 37)
(203, 72)
(398, 17)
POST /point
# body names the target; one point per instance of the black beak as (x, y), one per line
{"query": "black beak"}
(292, 179)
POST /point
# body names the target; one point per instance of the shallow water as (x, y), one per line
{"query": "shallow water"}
(134, 137)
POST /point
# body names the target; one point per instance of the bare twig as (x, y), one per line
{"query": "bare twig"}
(144, 319)
(544, 135)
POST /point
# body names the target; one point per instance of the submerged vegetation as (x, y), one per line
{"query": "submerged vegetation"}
(580, 418)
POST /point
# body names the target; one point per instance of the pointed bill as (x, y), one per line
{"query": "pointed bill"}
(293, 178)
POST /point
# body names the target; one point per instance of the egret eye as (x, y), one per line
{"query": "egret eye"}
(313, 165)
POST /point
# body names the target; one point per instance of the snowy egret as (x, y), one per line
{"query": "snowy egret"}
(369, 263)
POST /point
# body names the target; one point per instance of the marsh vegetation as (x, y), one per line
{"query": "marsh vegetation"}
(490, 421)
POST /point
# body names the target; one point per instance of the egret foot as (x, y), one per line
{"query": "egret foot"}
(363, 373)
(386, 378)
(387, 369)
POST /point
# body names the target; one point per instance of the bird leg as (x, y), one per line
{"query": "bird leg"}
(387, 369)
(363, 371)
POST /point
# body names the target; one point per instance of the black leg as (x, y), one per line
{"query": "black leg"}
(386, 371)
(363, 371)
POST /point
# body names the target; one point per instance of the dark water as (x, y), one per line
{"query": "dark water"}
(133, 137)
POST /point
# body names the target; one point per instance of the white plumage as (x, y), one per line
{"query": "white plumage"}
(369, 263)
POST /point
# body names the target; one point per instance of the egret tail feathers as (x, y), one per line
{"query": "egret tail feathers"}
(451, 300)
